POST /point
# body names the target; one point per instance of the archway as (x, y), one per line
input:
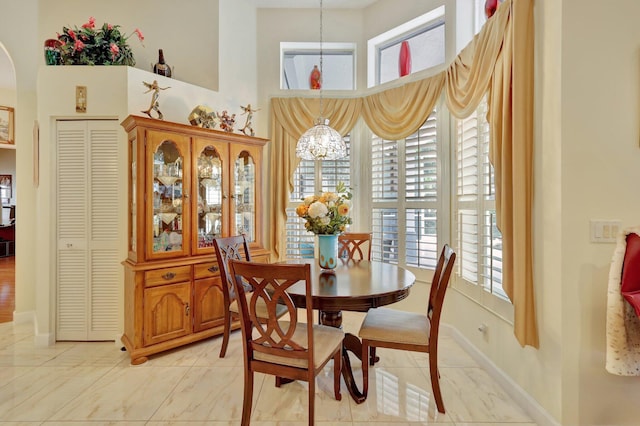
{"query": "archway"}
(8, 196)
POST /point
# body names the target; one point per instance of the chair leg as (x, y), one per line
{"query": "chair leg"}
(435, 381)
(365, 367)
(337, 369)
(225, 335)
(372, 360)
(248, 398)
(312, 400)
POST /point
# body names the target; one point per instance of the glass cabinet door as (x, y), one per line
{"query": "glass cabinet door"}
(168, 198)
(244, 196)
(211, 195)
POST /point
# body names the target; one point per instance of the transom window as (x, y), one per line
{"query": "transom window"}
(426, 37)
(299, 59)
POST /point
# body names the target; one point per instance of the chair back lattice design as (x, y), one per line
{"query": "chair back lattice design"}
(230, 248)
(353, 245)
(439, 285)
(270, 284)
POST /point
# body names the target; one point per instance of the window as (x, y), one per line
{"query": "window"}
(426, 38)
(312, 177)
(478, 239)
(405, 197)
(298, 60)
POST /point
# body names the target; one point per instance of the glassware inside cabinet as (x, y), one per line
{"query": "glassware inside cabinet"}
(167, 198)
(244, 195)
(210, 196)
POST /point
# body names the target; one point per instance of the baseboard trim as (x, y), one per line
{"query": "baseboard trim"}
(23, 317)
(43, 339)
(520, 396)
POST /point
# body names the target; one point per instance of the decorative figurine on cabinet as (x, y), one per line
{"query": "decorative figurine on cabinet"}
(247, 129)
(203, 116)
(226, 121)
(154, 106)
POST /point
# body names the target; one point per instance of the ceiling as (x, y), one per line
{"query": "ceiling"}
(7, 78)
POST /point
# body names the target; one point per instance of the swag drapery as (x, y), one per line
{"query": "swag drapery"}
(497, 62)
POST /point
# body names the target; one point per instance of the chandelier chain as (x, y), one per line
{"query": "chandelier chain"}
(321, 72)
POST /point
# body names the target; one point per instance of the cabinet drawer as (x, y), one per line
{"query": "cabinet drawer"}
(167, 276)
(206, 270)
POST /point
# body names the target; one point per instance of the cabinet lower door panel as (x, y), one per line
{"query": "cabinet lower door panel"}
(208, 304)
(167, 312)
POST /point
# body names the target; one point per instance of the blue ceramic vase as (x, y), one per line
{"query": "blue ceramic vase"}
(328, 251)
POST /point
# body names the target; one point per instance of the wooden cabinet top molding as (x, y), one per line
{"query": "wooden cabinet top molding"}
(133, 121)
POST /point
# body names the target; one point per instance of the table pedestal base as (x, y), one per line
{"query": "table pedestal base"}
(351, 343)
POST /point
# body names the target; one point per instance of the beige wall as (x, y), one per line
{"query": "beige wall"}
(25, 52)
(192, 50)
(600, 168)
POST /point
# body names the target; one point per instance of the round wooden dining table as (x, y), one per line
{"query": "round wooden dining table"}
(354, 285)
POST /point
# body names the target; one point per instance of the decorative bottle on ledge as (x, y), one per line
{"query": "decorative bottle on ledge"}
(161, 67)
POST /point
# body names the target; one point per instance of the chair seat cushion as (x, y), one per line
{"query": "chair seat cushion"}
(325, 342)
(390, 325)
(261, 308)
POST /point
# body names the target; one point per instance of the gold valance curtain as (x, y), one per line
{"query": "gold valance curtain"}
(498, 61)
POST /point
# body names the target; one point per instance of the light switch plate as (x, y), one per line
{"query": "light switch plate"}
(605, 231)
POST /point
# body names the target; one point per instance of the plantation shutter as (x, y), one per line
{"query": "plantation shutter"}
(467, 197)
(384, 187)
(479, 240)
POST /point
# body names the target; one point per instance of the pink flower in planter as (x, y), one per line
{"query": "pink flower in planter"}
(139, 33)
(114, 50)
(78, 46)
(90, 24)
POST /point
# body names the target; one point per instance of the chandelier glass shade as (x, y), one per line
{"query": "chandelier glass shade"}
(321, 142)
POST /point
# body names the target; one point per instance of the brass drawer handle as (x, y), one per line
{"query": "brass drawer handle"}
(169, 276)
(213, 269)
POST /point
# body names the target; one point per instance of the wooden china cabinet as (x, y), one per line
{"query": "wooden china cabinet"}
(187, 186)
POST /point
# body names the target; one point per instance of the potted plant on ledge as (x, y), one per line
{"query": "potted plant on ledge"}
(89, 45)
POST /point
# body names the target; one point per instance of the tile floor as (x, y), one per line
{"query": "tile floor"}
(77, 383)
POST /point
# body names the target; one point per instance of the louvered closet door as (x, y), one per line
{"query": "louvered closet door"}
(88, 264)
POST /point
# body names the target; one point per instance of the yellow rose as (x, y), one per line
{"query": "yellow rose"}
(301, 210)
(343, 209)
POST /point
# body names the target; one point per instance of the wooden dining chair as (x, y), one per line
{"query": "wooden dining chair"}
(236, 248)
(228, 248)
(354, 245)
(389, 328)
(284, 348)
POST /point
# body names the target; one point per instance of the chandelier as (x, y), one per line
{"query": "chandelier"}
(321, 142)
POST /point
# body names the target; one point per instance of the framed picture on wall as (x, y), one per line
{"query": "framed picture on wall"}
(6, 124)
